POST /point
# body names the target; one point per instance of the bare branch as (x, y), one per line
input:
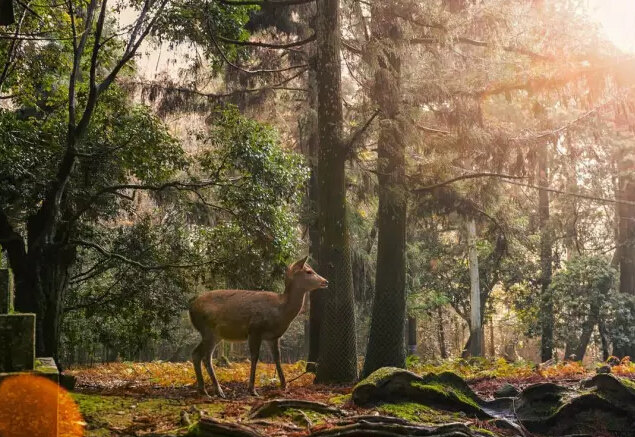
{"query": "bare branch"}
(464, 177)
(572, 194)
(219, 96)
(269, 3)
(244, 70)
(100, 249)
(355, 136)
(430, 130)
(267, 45)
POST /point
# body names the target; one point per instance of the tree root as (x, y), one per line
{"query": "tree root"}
(277, 406)
(214, 428)
(384, 429)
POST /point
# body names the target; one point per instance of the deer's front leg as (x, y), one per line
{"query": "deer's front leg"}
(254, 350)
(275, 349)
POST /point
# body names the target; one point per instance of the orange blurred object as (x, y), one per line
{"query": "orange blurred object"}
(32, 406)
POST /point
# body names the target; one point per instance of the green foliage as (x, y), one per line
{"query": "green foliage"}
(239, 231)
(581, 291)
(193, 21)
(260, 184)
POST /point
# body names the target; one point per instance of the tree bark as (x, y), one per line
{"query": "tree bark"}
(441, 333)
(476, 325)
(546, 258)
(338, 354)
(412, 335)
(311, 145)
(385, 342)
(587, 331)
(626, 233)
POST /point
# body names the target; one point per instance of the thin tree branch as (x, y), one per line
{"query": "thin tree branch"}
(100, 249)
(578, 195)
(464, 177)
(268, 3)
(275, 86)
(244, 70)
(355, 136)
(267, 45)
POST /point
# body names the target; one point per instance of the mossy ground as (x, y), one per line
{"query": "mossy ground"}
(149, 398)
(108, 415)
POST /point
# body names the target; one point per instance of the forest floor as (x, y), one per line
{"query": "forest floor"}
(158, 398)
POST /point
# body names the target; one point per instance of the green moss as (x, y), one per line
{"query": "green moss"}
(415, 412)
(628, 383)
(446, 391)
(299, 417)
(102, 413)
(483, 431)
(378, 375)
(408, 410)
(340, 400)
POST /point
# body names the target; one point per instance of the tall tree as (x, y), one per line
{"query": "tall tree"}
(41, 261)
(338, 354)
(476, 321)
(546, 257)
(625, 250)
(386, 339)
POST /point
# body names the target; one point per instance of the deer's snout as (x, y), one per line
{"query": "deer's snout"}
(324, 283)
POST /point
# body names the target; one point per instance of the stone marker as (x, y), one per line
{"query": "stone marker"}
(6, 291)
(17, 342)
(17, 339)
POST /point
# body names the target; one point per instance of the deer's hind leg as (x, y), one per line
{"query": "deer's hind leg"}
(210, 342)
(254, 350)
(275, 349)
(197, 358)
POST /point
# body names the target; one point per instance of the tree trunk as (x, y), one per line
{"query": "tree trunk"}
(41, 279)
(338, 354)
(604, 339)
(626, 235)
(626, 220)
(412, 335)
(311, 145)
(587, 330)
(492, 344)
(546, 258)
(441, 333)
(385, 342)
(476, 325)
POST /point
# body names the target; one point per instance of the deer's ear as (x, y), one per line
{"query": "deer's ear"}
(298, 264)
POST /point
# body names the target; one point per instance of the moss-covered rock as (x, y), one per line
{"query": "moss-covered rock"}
(607, 405)
(446, 391)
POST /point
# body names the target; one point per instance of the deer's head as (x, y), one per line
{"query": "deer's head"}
(303, 277)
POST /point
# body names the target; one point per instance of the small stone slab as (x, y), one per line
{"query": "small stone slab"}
(17, 342)
(46, 368)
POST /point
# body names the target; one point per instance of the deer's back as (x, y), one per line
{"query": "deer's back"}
(232, 314)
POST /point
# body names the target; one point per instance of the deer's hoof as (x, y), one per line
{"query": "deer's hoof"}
(219, 393)
(253, 392)
(203, 392)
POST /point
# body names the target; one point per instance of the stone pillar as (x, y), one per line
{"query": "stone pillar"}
(6, 291)
(17, 342)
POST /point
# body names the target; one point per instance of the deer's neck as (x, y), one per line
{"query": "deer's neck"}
(292, 301)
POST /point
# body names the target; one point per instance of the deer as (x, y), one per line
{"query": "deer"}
(252, 316)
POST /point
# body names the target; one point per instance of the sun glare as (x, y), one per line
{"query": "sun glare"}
(617, 18)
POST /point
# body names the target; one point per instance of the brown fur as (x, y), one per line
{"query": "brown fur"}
(239, 315)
